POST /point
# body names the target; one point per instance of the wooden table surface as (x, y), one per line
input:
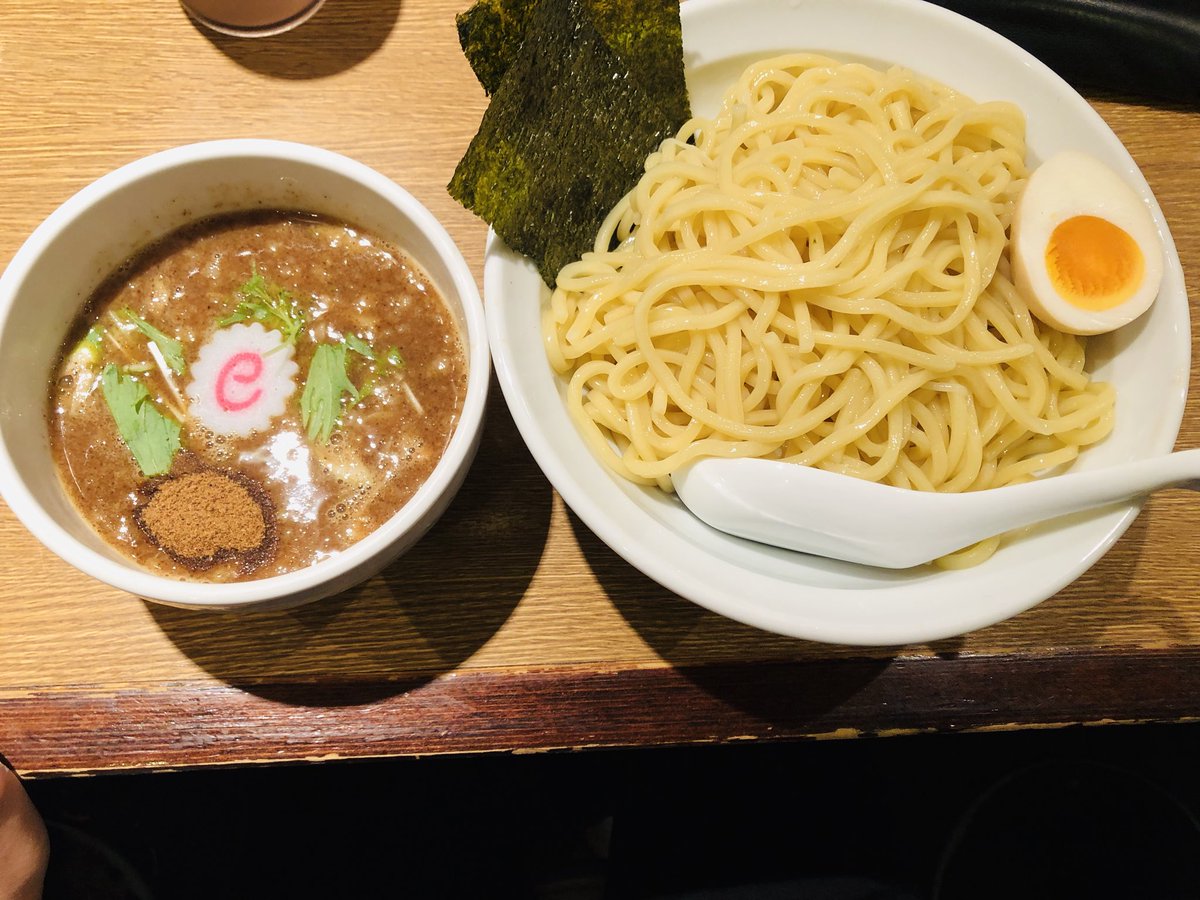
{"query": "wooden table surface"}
(510, 627)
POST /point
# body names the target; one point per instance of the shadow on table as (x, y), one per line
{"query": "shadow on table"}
(1098, 609)
(796, 684)
(749, 669)
(338, 37)
(430, 610)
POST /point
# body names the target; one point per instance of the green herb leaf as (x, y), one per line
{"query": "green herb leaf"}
(359, 346)
(170, 348)
(327, 381)
(394, 357)
(151, 437)
(269, 304)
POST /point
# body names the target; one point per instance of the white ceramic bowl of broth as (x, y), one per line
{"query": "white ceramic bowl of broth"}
(54, 273)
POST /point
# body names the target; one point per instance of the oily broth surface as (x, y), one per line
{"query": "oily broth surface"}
(326, 497)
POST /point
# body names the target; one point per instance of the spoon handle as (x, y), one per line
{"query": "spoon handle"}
(837, 516)
(1047, 498)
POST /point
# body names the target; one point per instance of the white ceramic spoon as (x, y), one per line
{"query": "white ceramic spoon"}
(818, 512)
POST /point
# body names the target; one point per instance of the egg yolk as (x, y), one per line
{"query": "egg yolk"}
(1093, 264)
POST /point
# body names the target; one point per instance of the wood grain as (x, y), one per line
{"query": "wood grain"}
(572, 708)
(510, 626)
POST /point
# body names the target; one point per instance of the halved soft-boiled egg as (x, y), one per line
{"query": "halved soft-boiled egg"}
(1085, 253)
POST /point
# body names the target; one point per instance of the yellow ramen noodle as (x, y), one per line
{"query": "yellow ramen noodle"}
(820, 274)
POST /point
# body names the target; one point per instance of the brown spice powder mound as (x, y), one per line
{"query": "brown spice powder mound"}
(204, 516)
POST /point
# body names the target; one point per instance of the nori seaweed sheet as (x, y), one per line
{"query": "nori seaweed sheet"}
(645, 35)
(565, 137)
(490, 35)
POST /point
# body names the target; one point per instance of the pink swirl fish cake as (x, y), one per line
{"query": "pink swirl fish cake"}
(241, 380)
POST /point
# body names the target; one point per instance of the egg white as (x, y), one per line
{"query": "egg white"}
(1067, 185)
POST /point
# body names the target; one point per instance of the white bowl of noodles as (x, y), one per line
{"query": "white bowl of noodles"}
(804, 596)
(55, 272)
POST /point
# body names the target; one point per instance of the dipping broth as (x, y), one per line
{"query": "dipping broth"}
(311, 372)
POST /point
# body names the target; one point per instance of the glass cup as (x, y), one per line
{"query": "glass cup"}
(251, 18)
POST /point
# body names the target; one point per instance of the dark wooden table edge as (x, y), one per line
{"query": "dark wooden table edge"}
(190, 725)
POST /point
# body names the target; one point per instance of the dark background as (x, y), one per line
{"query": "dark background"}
(1084, 811)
